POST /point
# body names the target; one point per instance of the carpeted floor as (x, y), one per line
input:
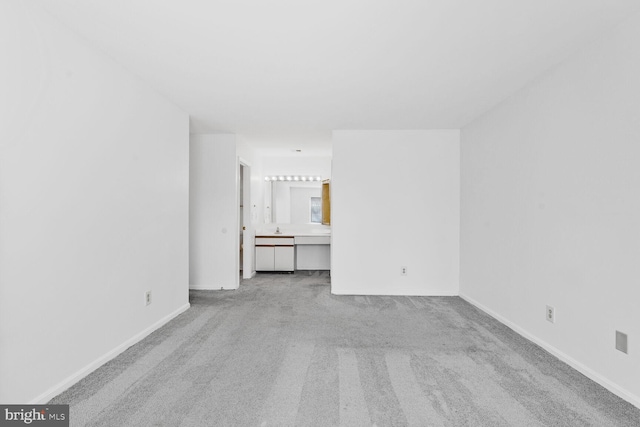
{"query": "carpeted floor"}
(283, 351)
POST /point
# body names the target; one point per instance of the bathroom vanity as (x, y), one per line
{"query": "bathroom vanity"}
(294, 248)
(275, 253)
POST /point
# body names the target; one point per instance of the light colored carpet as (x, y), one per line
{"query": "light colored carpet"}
(283, 351)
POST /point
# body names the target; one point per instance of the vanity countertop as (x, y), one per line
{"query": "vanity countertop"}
(292, 234)
(294, 230)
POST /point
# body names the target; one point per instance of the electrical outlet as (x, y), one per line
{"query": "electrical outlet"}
(621, 342)
(551, 314)
(403, 271)
(147, 298)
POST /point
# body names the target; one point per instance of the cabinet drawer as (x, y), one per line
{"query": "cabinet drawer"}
(274, 241)
(313, 240)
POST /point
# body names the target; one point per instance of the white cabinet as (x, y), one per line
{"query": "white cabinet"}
(283, 258)
(265, 258)
(275, 254)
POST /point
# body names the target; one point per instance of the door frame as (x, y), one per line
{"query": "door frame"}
(248, 234)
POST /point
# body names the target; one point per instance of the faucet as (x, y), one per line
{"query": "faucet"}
(278, 230)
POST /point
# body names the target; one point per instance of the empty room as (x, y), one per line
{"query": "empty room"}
(320, 213)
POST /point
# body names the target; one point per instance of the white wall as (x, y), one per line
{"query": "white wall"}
(213, 212)
(395, 202)
(247, 154)
(551, 208)
(297, 165)
(93, 207)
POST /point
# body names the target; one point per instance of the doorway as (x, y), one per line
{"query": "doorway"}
(245, 231)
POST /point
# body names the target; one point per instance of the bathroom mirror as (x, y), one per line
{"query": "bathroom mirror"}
(293, 202)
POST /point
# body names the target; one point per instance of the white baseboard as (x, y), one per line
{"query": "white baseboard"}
(586, 371)
(359, 292)
(71, 380)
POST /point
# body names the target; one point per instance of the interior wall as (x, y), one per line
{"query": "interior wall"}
(550, 210)
(247, 154)
(93, 207)
(297, 165)
(213, 212)
(395, 202)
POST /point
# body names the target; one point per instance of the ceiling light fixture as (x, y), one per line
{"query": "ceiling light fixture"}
(305, 178)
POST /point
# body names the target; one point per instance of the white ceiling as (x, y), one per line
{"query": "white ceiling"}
(287, 72)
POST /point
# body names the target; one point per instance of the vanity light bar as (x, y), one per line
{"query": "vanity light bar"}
(292, 178)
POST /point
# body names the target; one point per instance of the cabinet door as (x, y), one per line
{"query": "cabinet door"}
(264, 258)
(284, 256)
